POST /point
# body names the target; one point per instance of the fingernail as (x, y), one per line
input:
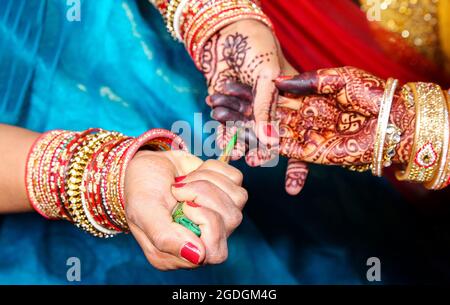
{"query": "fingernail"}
(193, 204)
(270, 131)
(283, 78)
(191, 253)
(179, 179)
(178, 185)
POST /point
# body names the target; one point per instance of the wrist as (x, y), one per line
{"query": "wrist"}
(79, 176)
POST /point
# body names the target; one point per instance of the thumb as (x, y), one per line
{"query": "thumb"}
(155, 220)
(265, 102)
(325, 81)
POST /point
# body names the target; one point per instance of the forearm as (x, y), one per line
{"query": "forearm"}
(15, 143)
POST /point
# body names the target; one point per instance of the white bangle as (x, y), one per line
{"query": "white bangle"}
(382, 125)
(176, 19)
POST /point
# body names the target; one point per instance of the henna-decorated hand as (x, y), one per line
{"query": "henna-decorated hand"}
(329, 117)
(333, 119)
(240, 63)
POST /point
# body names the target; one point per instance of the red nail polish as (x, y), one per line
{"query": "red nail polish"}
(270, 131)
(191, 253)
(179, 179)
(178, 185)
(193, 204)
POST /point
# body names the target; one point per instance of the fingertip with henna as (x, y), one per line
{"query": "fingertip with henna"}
(303, 84)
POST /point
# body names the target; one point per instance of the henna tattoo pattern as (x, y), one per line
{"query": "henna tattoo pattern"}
(229, 57)
(296, 175)
(235, 50)
(319, 134)
(337, 127)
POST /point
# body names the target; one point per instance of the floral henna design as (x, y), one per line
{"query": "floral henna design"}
(235, 50)
(320, 133)
(335, 123)
(230, 57)
(209, 57)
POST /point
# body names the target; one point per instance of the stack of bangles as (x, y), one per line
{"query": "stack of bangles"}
(429, 162)
(194, 22)
(79, 176)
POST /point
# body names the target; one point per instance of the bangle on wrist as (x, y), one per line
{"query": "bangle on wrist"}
(79, 177)
(379, 157)
(429, 138)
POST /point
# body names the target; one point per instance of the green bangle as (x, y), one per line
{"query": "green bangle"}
(179, 217)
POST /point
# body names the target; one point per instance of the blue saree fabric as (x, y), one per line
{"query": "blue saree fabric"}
(118, 69)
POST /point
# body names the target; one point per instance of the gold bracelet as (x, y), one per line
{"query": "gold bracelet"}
(74, 183)
(170, 14)
(393, 138)
(442, 176)
(382, 125)
(429, 135)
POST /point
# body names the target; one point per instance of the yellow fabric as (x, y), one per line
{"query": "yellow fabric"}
(444, 29)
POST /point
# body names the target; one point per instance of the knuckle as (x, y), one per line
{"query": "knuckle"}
(236, 219)
(215, 221)
(237, 175)
(202, 185)
(213, 163)
(243, 197)
(219, 257)
(161, 240)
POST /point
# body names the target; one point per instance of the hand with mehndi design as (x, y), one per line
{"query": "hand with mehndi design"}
(330, 117)
(240, 63)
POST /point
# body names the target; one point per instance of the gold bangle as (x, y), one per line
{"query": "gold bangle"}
(429, 135)
(442, 176)
(74, 180)
(382, 125)
(393, 138)
(170, 14)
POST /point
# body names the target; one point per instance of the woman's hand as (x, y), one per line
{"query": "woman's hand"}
(156, 181)
(331, 116)
(240, 64)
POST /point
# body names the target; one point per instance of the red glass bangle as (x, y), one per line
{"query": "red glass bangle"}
(93, 185)
(109, 197)
(30, 169)
(176, 143)
(53, 173)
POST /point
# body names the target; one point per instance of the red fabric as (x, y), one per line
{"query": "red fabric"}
(329, 33)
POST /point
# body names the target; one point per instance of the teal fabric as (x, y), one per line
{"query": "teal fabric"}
(117, 69)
